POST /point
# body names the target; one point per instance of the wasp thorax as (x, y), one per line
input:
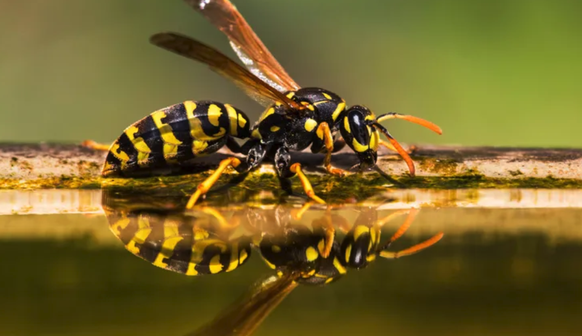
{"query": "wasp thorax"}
(325, 105)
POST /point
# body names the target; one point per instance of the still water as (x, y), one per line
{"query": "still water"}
(115, 264)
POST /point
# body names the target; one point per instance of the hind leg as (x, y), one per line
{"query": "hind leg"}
(205, 186)
(255, 154)
(95, 145)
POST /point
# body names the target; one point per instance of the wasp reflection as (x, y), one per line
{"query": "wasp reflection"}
(303, 245)
(211, 241)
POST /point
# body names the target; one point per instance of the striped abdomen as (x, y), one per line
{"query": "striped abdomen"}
(175, 135)
(172, 243)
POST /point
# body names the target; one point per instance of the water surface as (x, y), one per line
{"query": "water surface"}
(511, 271)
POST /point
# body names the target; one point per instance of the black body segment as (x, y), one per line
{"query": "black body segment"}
(175, 135)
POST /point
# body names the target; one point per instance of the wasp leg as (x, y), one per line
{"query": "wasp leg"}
(211, 180)
(285, 170)
(323, 129)
(390, 147)
(382, 221)
(329, 232)
(401, 230)
(397, 146)
(413, 119)
(298, 214)
(296, 169)
(413, 249)
(95, 145)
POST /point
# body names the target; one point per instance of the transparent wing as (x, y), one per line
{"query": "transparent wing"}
(247, 45)
(220, 63)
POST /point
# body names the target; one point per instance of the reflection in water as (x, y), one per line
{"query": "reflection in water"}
(307, 245)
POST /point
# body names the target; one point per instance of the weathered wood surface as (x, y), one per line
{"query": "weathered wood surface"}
(29, 162)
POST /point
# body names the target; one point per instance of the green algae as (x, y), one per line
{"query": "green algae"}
(267, 187)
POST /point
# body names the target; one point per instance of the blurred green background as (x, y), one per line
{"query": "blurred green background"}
(489, 72)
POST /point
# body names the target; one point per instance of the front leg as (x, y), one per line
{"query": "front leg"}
(324, 132)
(286, 170)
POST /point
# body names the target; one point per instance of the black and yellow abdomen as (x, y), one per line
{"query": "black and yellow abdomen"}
(178, 243)
(175, 135)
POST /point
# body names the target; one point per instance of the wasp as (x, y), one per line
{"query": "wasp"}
(295, 118)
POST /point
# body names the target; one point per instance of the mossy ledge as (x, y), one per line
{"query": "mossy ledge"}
(47, 166)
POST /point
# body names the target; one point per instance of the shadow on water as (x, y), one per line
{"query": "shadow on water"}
(308, 245)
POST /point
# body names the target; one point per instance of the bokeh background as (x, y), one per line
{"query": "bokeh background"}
(490, 72)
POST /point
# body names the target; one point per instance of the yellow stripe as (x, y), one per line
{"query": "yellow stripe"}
(166, 251)
(310, 124)
(347, 125)
(220, 133)
(143, 151)
(241, 121)
(269, 263)
(170, 141)
(191, 269)
(326, 95)
(374, 140)
(234, 262)
(358, 147)
(267, 113)
(198, 146)
(119, 154)
(214, 112)
(290, 94)
(275, 128)
(340, 107)
(308, 105)
(232, 117)
(360, 229)
(139, 238)
(215, 266)
(311, 254)
(120, 225)
(348, 252)
(243, 256)
(255, 134)
(339, 266)
(196, 130)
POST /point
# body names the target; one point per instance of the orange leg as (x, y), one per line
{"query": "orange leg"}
(390, 147)
(397, 147)
(401, 230)
(209, 182)
(95, 145)
(296, 169)
(413, 249)
(298, 214)
(326, 224)
(323, 129)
